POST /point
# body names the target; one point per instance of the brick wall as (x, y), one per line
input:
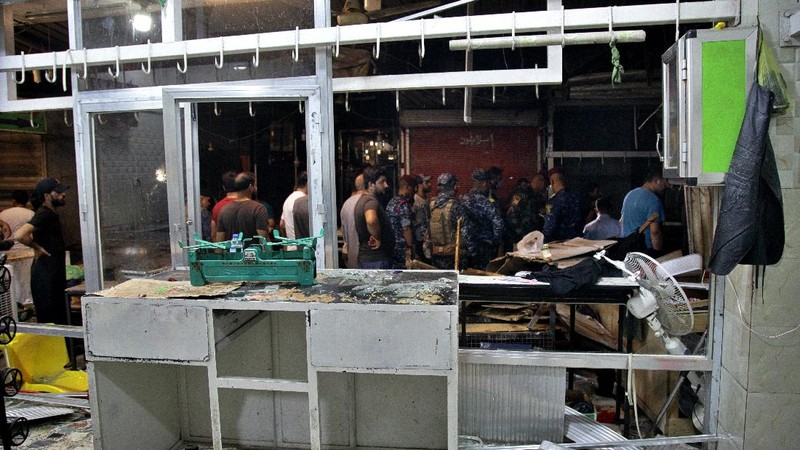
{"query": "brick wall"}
(461, 150)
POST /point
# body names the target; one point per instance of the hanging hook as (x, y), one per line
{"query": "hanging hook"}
(100, 119)
(536, 86)
(300, 106)
(115, 74)
(217, 111)
(54, 71)
(33, 124)
(149, 55)
(250, 108)
(85, 68)
(376, 51)
(513, 29)
(67, 56)
(338, 37)
(296, 51)
(494, 91)
(258, 51)
(444, 97)
(21, 80)
(185, 64)
(421, 49)
(347, 101)
(397, 100)
(611, 24)
(563, 19)
(469, 35)
(218, 63)
(66, 121)
(136, 116)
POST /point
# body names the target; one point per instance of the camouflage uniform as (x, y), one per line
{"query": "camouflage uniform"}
(522, 217)
(400, 215)
(456, 212)
(482, 230)
(419, 225)
(564, 219)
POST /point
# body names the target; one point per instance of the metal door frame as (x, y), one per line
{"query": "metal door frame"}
(181, 158)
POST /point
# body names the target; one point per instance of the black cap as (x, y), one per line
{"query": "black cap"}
(480, 175)
(49, 184)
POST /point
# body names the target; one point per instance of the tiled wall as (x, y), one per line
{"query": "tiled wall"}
(759, 389)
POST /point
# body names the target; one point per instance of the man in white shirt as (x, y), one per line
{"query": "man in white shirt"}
(287, 217)
(20, 266)
(604, 226)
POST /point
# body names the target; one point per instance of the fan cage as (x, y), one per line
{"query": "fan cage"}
(674, 311)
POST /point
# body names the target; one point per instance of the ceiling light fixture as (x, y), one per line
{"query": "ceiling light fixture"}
(142, 22)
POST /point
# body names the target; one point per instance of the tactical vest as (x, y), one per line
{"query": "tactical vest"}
(442, 234)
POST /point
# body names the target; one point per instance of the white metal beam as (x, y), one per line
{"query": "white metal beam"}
(486, 25)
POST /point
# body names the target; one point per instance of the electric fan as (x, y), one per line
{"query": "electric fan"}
(663, 304)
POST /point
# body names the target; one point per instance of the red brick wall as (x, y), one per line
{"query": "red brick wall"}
(461, 150)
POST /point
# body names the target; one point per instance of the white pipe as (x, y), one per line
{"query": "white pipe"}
(543, 40)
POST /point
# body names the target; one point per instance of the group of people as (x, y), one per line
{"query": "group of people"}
(413, 226)
(449, 231)
(445, 231)
(240, 211)
(41, 279)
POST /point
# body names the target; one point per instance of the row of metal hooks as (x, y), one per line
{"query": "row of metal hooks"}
(251, 111)
(52, 76)
(219, 61)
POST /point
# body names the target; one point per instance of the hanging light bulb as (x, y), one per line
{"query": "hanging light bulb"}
(142, 22)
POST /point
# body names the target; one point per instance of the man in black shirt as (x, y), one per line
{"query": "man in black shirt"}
(43, 234)
(243, 215)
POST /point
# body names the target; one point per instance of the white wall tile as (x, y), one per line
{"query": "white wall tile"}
(776, 302)
(791, 206)
(732, 404)
(739, 284)
(772, 421)
(774, 362)
(736, 349)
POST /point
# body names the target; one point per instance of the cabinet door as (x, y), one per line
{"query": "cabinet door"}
(381, 339)
(157, 332)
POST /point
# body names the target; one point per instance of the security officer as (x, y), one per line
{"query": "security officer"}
(483, 228)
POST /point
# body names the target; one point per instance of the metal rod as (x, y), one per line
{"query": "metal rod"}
(543, 40)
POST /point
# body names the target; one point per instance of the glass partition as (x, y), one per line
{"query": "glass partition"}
(214, 18)
(129, 22)
(131, 194)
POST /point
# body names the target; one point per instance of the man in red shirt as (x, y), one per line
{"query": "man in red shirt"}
(229, 185)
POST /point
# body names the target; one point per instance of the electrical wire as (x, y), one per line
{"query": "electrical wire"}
(747, 325)
(630, 392)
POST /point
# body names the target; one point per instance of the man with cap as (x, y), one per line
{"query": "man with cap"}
(400, 212)
(440, 237)
(422, 215)
(483, 227)
(43, 234)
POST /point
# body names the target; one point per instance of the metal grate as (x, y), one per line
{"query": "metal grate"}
(510, 340)
(6, 308)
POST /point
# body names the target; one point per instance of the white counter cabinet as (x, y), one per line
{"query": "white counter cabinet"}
(360, 359)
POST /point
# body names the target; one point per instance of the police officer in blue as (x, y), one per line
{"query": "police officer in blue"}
(483, 228)
(441, 237)
(564, 216)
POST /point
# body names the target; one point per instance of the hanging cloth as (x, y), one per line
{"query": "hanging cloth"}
(750, 229)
